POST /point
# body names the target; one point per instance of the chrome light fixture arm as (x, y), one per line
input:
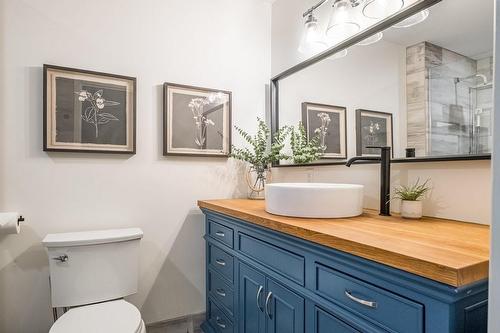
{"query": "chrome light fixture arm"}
(354, 3)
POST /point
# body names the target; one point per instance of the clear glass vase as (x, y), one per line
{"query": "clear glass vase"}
(257, 177)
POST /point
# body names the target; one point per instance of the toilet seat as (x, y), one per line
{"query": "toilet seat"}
(108, 317)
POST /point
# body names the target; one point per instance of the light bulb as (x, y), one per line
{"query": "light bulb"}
(379, 9)
(413, 20)
(312, 38)
(342, 25)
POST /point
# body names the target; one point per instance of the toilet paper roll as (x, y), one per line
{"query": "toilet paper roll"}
(9, 223)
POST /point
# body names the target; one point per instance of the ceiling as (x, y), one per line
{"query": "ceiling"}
(463, 26)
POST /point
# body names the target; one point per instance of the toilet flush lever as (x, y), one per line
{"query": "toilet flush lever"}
(62, 258)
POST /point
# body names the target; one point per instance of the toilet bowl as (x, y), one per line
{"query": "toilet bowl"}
(108, 317)
(90, 273)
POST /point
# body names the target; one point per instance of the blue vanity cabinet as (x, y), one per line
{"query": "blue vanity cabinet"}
(251, 293)
(263, 281)
(267, 306)
(327, 323)
(284, 309)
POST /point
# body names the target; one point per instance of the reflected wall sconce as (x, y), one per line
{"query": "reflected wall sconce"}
(413, 20)
(378, 9)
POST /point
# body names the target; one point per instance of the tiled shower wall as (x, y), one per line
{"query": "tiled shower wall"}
(439, 117)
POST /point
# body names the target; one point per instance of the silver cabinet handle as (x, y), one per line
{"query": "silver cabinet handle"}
(268, 301)
(259, 292)
(62, 258)
(221, 292)
(220, 262)
(369, 304)
(220, 234)
(220, 322)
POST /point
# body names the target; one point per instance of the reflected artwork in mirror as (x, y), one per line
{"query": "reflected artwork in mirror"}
(425, 73)
(328, 123)
(373, 129)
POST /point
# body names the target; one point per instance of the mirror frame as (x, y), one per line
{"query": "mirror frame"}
(380, 26)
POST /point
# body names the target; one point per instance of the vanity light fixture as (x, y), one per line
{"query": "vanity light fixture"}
(378, 9)
(313, 40)
(342, 21)
(413, 20)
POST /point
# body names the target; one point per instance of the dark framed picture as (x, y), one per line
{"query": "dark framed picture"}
(197, 121)
(373, 129)
(86, 111)
(329, 123)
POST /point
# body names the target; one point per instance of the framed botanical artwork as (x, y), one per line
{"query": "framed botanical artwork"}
(86, 111)
(197, 121)
(373, 129)
(328, 122)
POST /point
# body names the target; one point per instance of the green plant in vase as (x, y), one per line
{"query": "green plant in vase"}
(411, 197)
(260, 155)
(303, 150)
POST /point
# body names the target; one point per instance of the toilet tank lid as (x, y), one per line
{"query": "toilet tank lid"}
(91, 237)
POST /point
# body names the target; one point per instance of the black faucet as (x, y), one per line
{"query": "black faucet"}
(385, 176)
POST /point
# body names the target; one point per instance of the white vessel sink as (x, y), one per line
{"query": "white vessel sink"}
(314, 200)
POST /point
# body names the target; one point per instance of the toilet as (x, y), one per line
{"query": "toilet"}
(90, 273)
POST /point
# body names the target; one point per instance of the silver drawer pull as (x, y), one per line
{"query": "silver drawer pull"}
(220, 234)
(220, 322)
(369, 304)
(62, 258)
(259, 292)
(220, 262)
(268, 301)
(221, 292)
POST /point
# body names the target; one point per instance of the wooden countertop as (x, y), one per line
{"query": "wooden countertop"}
(451, 252)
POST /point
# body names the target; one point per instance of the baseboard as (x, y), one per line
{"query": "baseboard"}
(192, 321)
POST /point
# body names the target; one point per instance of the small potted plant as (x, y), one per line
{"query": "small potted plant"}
(411, 198)
(260, 156)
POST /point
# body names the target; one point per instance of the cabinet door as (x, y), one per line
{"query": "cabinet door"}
(251, 300)
(284, 309)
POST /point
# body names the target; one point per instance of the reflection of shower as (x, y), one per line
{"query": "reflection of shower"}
(479, 117)
(460, 114)
(481, 76)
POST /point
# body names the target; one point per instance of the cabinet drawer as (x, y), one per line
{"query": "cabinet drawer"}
(220, 232)
(282, 261)
(221, 261)
(328, 323)
(393, 312)
(221, 291)
(218, 319)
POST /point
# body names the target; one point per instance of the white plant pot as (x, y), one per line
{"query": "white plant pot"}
(411, 209)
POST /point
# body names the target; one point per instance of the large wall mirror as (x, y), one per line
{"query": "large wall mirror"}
(421, 83)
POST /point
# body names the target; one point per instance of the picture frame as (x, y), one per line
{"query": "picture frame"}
(196, 121)
(87, 111)
(330, 123)
(373, 128)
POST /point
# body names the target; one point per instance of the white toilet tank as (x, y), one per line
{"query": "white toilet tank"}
(93, 266)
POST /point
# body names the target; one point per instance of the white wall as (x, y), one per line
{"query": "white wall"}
(461, 190)
(221, 44)
(494, 283)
